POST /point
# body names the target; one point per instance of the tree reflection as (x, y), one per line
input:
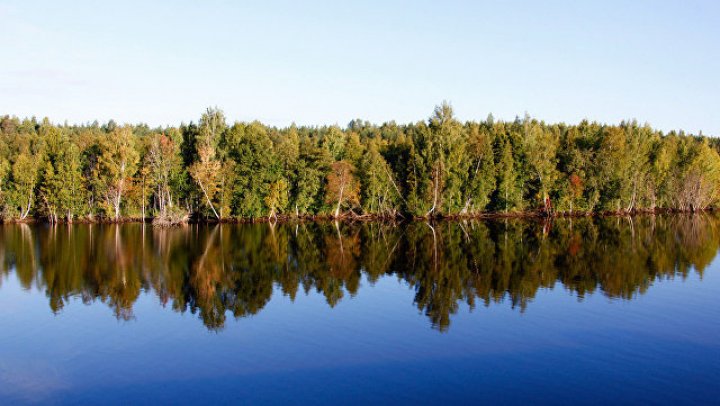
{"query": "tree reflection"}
(216, 270)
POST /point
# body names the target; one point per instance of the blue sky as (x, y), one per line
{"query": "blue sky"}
(329, 62)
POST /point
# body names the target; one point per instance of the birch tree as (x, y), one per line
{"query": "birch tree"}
(117, 164)
(342, 187)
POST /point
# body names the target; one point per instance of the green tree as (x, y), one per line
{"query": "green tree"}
(540, 147)
(481, 170)
(509, 192)
(25, 171)
(380, 192)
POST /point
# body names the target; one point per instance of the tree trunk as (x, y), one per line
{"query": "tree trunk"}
(435, 194)
(23, 215)
(208, 200)
(337, 209)
(118, 199)
(467, 204)
(143, 202)
(117, 208)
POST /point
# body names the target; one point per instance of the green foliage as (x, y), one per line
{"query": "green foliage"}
(380, 193)
(481, 171)
(540, 148)
(62, 189)
(256, 168)
(509, 191)
(437, 167)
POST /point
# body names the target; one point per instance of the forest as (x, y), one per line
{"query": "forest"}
(440, 167)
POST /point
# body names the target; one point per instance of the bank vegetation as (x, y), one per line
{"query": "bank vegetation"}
(439, 167)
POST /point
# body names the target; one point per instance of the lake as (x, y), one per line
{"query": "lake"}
(583, 310)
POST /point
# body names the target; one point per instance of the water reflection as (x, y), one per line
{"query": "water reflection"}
(218, 270)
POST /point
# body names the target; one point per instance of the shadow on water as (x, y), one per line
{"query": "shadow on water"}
(233, 269)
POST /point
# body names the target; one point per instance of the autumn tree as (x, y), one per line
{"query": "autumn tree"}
(117, 164)
(277, 197)
(25, 173)
(430, 168)
(342, 187)
(206, 171)
(164, 165)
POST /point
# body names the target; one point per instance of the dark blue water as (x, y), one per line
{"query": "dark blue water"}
(582, 311)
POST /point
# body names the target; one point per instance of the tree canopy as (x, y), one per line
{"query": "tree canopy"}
(438, 167)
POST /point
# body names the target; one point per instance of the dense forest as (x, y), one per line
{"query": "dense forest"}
(441, 167)
(219, 271)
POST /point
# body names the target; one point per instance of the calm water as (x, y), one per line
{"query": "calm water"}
(584, 310)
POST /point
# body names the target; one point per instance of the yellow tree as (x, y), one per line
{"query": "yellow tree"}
(211, 172)
(117, 165)
(277, 197)
(25, 174)
(206, 173)
(163, 164)
(342, 187)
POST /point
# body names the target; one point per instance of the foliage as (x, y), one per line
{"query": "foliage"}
(433, 168)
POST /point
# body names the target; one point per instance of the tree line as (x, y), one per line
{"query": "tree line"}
(225, 270)
(434, 168)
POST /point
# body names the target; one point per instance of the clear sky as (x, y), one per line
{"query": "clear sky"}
(163, 62)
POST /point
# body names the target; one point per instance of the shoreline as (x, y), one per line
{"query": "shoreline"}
(355, 218)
